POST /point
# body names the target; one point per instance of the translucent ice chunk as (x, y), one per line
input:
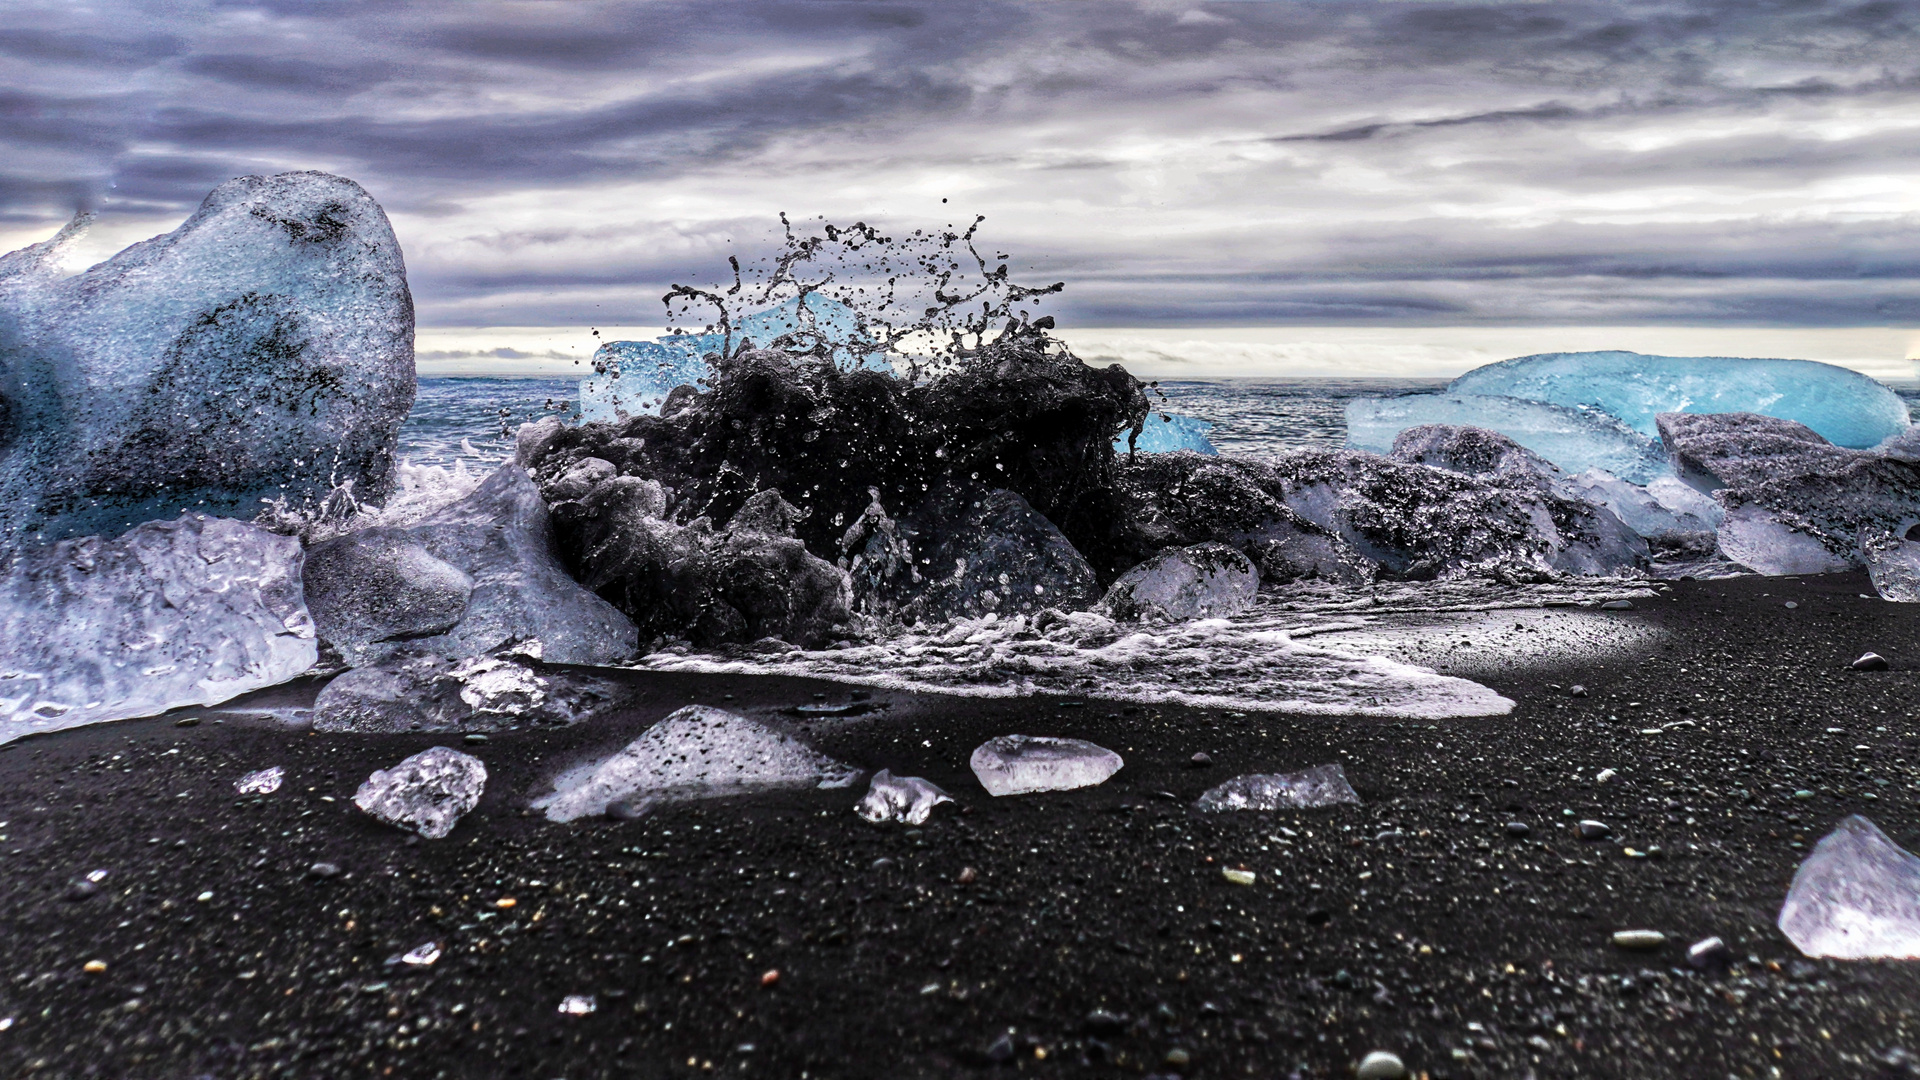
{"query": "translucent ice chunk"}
(1894, 566)
(1167, 432)
(1576, 439)
(900, 798)
(264, 782)
(698, 752)
(1322, 785)
(633, 378)
(1205, 581)
(1019, 764)
(1846, 407)
(426, 793)
(185, 612)
(1662, 509)
(1755, 537)
(1857, 897)
(421, 955)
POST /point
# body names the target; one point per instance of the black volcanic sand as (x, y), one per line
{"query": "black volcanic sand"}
(1097, 930)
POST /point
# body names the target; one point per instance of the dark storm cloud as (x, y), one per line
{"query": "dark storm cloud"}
(1239, 162)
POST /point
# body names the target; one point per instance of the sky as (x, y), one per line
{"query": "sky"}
(1226, 188)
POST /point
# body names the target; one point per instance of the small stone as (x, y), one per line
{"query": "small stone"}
(1617, 605)
(205, 896)
(324, 870)
(1639, 940)
(81, 890)
(1200, 760)
(769, 978)
(1709, 953)
(1380, 1065)
(421, 955)
(1238, 877)
(1578, 691)
(1593, 830)
(95, 967)
(1177, 1059)
(1105, 1024)
(1803, 795)
(882, 863)
(474, 738)
(1000, 1050)
(968, 875)
(578, 1004)
(1604, 775)
(1791, 604)
(1517, 829)
(1870, 662)
(187, 721)
(505, 902)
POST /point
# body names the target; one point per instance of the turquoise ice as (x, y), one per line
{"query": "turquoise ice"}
(1166, 432)
(1576, 439)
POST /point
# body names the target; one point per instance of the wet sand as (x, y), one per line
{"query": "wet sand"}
(1096, 931)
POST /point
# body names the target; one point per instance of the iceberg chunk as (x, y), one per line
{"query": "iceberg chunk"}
(1666, 509)
(1845, 407)
(1894, 565)
(377, 586)
(1857, 897)
(1205, 581)
(185, 612)
(698, 752)
(421, 692)
(1574, 438)
(263, 782)
(426, 793)
(1019, 764)
(1322, 785)
(907, 799)
(1166, 432)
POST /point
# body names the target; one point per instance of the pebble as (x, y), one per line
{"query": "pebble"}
(882, 863)
(95, 967)
(1639, 939)
(1604, 775)
(968, 875)
(578, 1004)
(1177, 1059)
(81, 890)
(1381, 1065)
(1102, 1022)
(1517, 828)
(475, 739)
(187, 721)
(1791, 604)
(1238, 877)
(1869, 662)
(1708, 953)
(769, 978)
(1593, 830)
(1618, 605)
(324, 870)
(1200, 760)
(1578, 691)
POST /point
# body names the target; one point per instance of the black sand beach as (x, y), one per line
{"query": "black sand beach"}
(1093, 929)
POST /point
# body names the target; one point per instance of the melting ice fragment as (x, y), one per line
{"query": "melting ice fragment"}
(426, 793)
(1322, 785)
(1205, 581)
(1575, 439)
(1894, 565)
(264, 782)
(1166, 432)
(1857, 897)
(900, 798)
(1019, 764)
(698, 752)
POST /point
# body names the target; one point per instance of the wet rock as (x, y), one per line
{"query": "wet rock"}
(1205, 581)
(1380, 1065)
(1709, 954)
(1617, 605)
(1639, 940)
(1000, 1051)
(698, 752)
(1869, 662)
(1020, 764)
(907, 799)
(379, 587)
(324, 870)
(415, 692)
(1200, 760)
(1593, 830)
(1856, 897)
(426, 793)
(1517, 829)
(1577, 691)
(1322, 785)
(1104, 1024)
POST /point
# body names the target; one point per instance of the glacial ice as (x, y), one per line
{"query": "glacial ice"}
(908, 799)
(1020, 764)
(1856, 897)
(185, 612)
(698, 752)
(1205, 581)
(1845, 407)
(262, 782)
(1164, 433)
(372, 588)
(633, 378)
(1664, 509)
(262, 349)
(1322, 785)
(1574, 438)
(1758, 539)
(426, 793)
(424, 692)
(1894, 565)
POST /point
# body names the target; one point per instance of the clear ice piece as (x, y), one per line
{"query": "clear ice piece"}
(1164, 433)
(578, 1004)
(1575, 439)
(1664, 508)
(1894, 565)
(1322, 785)
(908, 799)
(1019, 764)
(421, 955)
(185, 612)
(426, 793)
(1845, 407)
(264, 782)
(1205, 581)
(1856, 897)
(698, 752)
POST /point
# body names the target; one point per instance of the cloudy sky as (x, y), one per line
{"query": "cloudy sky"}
(1238, 177)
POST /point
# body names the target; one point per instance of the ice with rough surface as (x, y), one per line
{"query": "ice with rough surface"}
(1894, 565)
(1664, 509)
(1164, 433)
(633, 378)
(1574, 438)
(1322, 785)
(426, 793)
(262, 349)
(1857, 897)
(185, 612)
(1205, 581)
(424, 692)
(698, 752)
(1845, 407)
(908, 799)
(1019, 764)
(264, 782)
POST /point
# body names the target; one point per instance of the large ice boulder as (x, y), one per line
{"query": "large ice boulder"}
(1856, 897)
(262, 350)
(1845, 407)
(1572, 437)
(185, 612)
(698, 752)
(467, 580)
(1205, 581)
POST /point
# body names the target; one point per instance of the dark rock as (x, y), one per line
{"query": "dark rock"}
(1577, 691)
(82, 890)
(323, 870)
(1593, 830)
(1517, 829)
(1709, 954)
(1617, 605)
(1103, 1023)
(1205, 581)
(1200, 760)
(1869, 662)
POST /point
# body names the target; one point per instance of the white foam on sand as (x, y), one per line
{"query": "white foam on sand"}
(1318, 651)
